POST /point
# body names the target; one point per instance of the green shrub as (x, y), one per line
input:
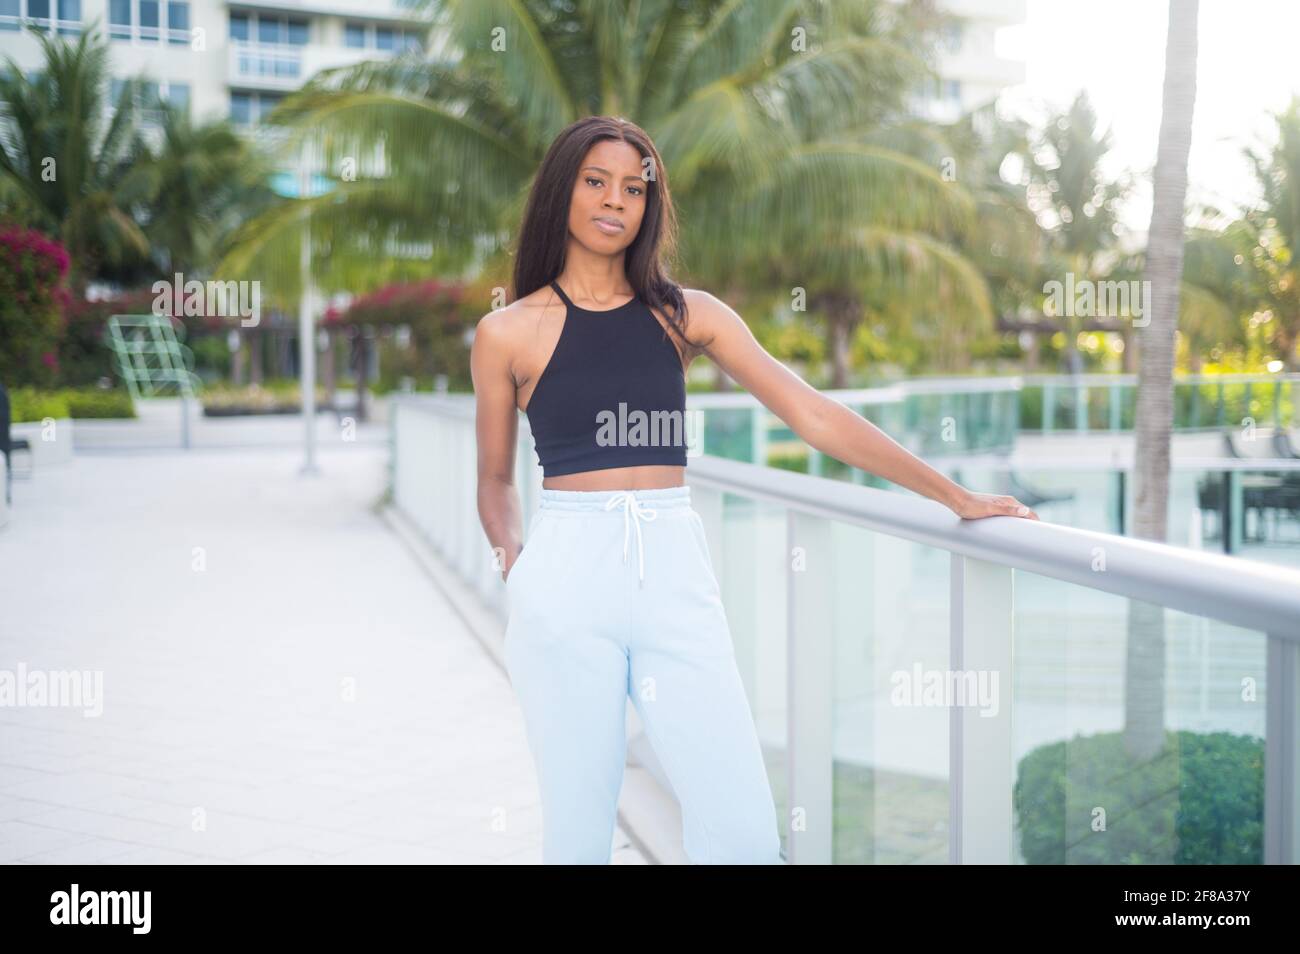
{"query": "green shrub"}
(795, 461)
(277, 396)
(95, 402)
(1201, 801)
(27, 405)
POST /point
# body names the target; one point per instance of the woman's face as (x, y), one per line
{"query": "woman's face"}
(610, 189)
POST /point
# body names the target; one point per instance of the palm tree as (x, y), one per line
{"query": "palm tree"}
(1144, 688)
(200, 182)
(1075, 204)
(768, 114)
(1274, 228)
(1219, 287)
(67, 161)
(1007, 245)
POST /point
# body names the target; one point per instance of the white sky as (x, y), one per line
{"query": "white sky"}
(1248, 64)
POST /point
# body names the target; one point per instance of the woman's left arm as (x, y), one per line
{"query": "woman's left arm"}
(824, 423)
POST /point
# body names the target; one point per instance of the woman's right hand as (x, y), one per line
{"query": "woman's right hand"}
(510, 567)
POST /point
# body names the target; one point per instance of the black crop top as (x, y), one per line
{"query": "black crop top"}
(612, 395)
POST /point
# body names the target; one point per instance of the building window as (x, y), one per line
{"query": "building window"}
(952, 35)
(143, 20)
(150, 102)
(952, 90)
(150, 97)
(372, 36)
(178, 94)
(241, 108)
(119, 19)
(149, 20)
(268, 45)
(248, 108)
(70, 17)
(267, 102)
(38, 11)
(178, 23)
(269, 29)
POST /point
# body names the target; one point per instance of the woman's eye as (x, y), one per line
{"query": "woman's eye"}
(636, 190)
(591, 181)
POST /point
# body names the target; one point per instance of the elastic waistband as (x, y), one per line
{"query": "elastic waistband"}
(656, 498)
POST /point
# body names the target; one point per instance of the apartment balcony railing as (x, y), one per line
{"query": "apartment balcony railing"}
(286, 67)
(17, 24)
(950, 416)
(1108, 402)
(1124, 701)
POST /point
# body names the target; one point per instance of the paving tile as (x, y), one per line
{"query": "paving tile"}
(271, 654)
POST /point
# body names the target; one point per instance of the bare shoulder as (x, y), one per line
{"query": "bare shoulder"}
(707, 315)
(508, 335)
(509, 321)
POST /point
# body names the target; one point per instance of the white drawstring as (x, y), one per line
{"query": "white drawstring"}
(632, 509)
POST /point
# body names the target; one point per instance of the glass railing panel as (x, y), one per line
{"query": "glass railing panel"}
(1138, 731)
(748, 560)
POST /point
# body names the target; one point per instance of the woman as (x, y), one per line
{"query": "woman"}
(599, 334)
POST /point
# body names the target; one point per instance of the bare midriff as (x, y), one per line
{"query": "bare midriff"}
(644, 477)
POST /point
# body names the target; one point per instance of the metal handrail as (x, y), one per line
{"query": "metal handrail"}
(1253, 595)
(1258, 596)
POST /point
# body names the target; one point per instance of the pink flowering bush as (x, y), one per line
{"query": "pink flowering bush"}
(438, 314)
(33, 299)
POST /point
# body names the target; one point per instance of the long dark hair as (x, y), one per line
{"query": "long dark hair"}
(544, 233)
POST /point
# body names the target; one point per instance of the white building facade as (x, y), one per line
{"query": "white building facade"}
(217, 59)
(971, 72)
(238, 59)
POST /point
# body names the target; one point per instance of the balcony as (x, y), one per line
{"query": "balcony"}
(1091, 642)
(396, 10)
(286, 68)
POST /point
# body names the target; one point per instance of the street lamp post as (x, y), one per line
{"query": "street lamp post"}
(307, 336)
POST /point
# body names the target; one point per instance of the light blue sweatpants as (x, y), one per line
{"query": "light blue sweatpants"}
(614, 594)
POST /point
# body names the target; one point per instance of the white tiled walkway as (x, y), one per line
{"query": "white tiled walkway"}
(281, 682)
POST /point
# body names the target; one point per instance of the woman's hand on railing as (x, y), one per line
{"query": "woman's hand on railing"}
(972, 506)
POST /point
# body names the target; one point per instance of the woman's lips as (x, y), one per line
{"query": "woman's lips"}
(608, 228)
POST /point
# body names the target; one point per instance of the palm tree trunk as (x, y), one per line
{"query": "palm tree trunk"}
(256, 345)
(1129, 358)
(1286, 339)
(842, 312)
(1144, 692)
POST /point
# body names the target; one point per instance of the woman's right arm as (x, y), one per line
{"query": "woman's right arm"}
(496, 429)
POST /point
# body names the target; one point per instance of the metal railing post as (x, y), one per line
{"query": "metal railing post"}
(980, 744)
(1281, 745)
(810, 663)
